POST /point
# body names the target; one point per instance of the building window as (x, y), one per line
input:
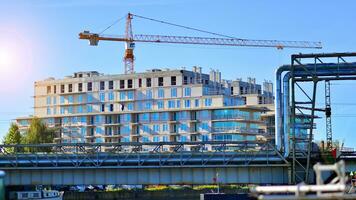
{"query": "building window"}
(70, 109)
(102, 85)
(80, 87)
(48, 89)
(155, 139)
(156, 128)
(98, 130)
(70, 99)
(173, 80)
(54, 100)
(111, 85)
(205, 138)
(111, 96)
(185, 80)
(148, 105)
(148, 82)
(111, 107)
(54, 89)
(102, 96)
(62, 88)
(165, 127)
(145, 139)
(122, 84)
(196, 102)
(160, 104)
(70, 88)
(173, 92)
(160, 93)
(130, 106)
(144, 117)
(89, 108)
(165, 138)
(122, 95)
(48, 100)
(102, 108)
(48, 111)
(160, 81)
(90, 86)
(129, 83)
(80, 98)
(80, 109)
(208, 102)
(140, 82)
(148, 94)
(171, 104)
(178, 103)
(183, 138)
(61, 99)
(125, 139)
(187, 92)
(187, 103)
(89, 98)
(130, 95)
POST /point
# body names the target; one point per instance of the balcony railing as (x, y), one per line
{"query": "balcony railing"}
(237, 130)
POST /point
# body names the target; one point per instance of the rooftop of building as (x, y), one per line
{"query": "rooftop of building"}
(154, 72)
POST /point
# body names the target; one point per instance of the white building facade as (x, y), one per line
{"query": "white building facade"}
(154, 106)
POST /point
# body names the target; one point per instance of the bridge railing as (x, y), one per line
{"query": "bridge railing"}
(138, 147)
(152, 154)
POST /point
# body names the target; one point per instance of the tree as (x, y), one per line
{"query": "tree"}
(38, 133)
(12, 137)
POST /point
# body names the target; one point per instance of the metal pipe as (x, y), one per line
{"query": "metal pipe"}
(282, 110)
(285, 115)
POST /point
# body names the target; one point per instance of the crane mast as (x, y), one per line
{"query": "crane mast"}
(329, 135)
(129, 38)
(129, 47)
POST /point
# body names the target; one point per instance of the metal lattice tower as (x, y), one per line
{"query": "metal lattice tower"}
(329, 135)
(129, 47)
(303, 71)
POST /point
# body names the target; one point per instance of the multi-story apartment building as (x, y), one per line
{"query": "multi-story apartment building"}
(157, 105)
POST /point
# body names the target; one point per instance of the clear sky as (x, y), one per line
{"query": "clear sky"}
(39, 39)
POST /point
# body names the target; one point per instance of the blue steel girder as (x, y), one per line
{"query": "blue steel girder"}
(133, 155)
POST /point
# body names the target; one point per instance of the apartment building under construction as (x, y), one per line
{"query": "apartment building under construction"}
(154, 106)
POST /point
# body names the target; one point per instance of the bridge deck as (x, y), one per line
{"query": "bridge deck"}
(143, 163)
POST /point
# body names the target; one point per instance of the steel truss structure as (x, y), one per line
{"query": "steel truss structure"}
(303, 70)
(139, 155)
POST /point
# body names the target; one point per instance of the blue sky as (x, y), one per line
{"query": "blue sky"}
(39, 39)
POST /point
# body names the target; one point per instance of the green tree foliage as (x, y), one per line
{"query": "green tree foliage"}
(12, 137)
(38, 133)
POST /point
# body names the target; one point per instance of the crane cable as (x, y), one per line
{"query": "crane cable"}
(115, 22)
(186, 27)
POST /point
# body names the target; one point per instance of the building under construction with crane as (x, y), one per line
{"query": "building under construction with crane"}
(180, 105)
(157, 105)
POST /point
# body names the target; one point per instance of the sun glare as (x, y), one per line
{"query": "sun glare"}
(6, 59)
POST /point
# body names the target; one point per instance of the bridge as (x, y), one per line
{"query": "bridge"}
(143, 163)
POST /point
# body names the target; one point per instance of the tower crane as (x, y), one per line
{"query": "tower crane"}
(130, 39)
